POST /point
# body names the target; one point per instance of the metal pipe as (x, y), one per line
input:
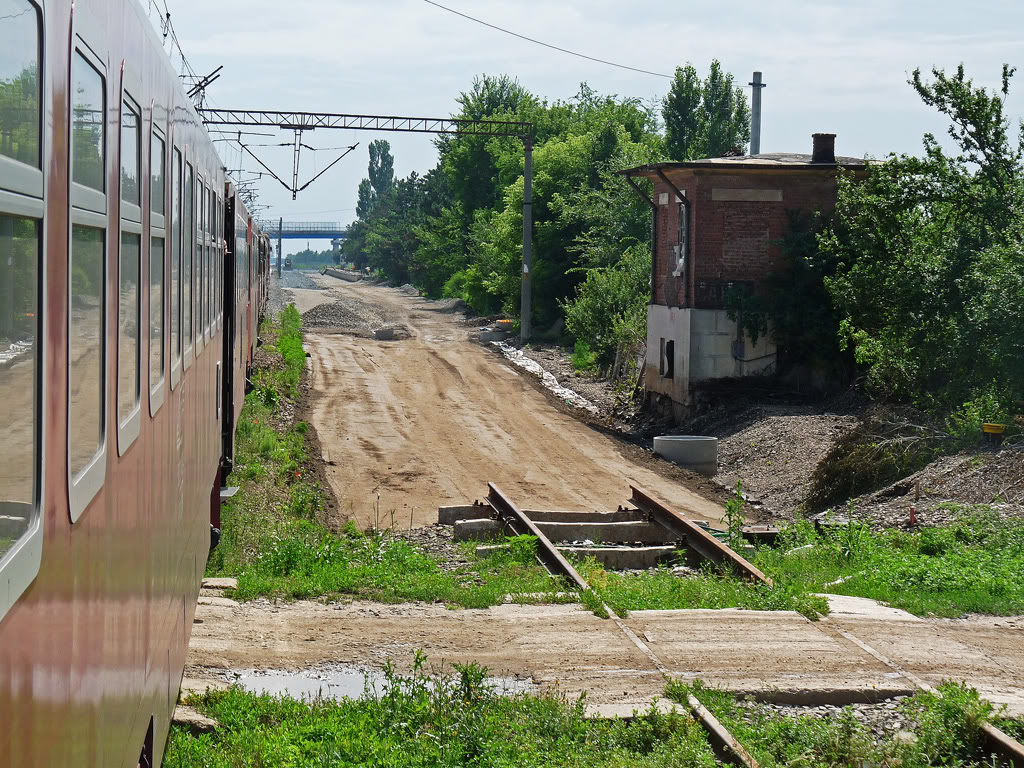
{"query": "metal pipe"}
(755, 114)
(526, 298)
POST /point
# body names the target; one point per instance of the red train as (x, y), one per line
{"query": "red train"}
(132, 281)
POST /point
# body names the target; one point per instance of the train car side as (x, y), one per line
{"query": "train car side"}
(112, 214)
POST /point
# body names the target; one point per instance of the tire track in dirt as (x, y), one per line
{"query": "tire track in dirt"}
(431, 419)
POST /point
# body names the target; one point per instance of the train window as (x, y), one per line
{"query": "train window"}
(129, 375)
(19, 359)
(188, 237)
(130, 124)
(87, 134)
(175, 263)
(200, 266)
(157, 163)
(211, 277)
(86, 348)
(19, 82)
(156, 315)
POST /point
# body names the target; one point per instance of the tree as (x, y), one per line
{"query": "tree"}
(930, 265)
(382, 167)
(704, 119)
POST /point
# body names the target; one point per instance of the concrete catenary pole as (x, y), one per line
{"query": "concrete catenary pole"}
(525, 306)
(755, 114)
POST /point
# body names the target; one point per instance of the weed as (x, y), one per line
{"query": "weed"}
(445, 720)
(734, 517)
(976, 565)
(582, 358)
(946, 726)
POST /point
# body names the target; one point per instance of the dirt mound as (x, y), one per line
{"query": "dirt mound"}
(774, 450)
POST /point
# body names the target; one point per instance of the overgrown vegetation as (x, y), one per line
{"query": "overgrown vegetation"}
(930, 270)
(443, 720)
(975, 565)
(946, 728)
(661, 589)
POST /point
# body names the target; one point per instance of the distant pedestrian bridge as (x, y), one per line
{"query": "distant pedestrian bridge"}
(297, 230)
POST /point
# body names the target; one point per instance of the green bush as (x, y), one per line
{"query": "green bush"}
(582, 358)
(610, 306)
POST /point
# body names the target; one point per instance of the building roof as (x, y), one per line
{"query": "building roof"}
(766, 161)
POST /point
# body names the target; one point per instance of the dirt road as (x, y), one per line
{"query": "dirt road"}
(430, 419)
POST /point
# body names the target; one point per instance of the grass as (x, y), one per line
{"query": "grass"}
(422, 720)
(946, 726)
(662, 589)
(975, 565)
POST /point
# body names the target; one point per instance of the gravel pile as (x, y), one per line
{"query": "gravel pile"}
(774, 452)
(347, 313)
(884, 720)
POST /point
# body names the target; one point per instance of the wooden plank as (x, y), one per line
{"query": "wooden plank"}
(696, 537)
(549, 555)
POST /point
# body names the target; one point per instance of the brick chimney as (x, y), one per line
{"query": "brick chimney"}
(824, 148)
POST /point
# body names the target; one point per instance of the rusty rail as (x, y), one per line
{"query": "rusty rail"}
(696, 538)
(549, 555)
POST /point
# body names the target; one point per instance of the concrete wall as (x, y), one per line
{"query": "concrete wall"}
(718, 351)
(664, 323)
(706, 347)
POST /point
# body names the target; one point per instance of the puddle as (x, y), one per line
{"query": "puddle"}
(344, 683)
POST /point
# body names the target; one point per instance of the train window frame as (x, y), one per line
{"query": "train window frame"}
(208, 239)
(88, 208)
(129, 222)
(197, 270)
(219, 252)
(129, 84)
(175, 318)
(188, 250)
(23, 193)
(157, 231)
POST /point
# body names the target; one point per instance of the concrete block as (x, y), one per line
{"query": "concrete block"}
(621, 558)
(384, 334)
(477, 530)
(220, 583)
(613, 533)
(558, 516)
(490, 335)
(694, 452)
(196, 723)
(450, 515)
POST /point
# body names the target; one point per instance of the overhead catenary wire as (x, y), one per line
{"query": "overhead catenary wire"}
(547, 45)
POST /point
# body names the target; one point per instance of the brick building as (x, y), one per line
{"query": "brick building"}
(715, 224)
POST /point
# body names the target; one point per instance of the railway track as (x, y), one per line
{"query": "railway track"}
(640, 534)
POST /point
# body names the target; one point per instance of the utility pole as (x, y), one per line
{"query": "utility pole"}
(526, 303)
(755, 114)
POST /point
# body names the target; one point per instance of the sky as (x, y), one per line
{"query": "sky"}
(830, 66)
